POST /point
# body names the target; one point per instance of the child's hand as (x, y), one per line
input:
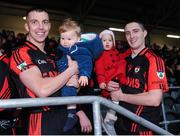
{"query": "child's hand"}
(102, 85)
(83, 80)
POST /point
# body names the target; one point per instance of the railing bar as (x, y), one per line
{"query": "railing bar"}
(97, 118)
(49, 101)
(164, 114)
(135, 118)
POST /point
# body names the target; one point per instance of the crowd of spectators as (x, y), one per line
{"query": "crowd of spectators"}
(171, 57)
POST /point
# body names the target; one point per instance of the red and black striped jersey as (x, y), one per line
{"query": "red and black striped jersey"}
(5, 92)
(26, 57)
(144, 73)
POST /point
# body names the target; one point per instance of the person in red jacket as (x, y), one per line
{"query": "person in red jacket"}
(108, 67)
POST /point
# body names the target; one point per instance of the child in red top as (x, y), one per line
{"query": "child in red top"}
(107, 69)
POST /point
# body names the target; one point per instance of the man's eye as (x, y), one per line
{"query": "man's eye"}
(34, 22)
(46, 22)
(136, 30)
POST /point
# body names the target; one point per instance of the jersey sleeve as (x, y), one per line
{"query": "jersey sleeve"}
(20, 61)
(157, 75)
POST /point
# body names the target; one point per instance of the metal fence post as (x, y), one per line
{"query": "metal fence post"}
(97, 118)
(164, 114)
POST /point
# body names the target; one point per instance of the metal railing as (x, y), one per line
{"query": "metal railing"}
(95, 100)
(165, 121)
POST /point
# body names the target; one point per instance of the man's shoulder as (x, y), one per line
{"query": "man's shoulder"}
(152, 56)
(20, 48)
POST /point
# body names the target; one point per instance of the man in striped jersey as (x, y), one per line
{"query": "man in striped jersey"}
(145, 83)
(35, 75)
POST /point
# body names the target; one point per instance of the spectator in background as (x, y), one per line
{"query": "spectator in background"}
(2, 42)
(145, 83)
(51, 46)
(35, 75)
(177, 68)
(10, 43)
(20, 39)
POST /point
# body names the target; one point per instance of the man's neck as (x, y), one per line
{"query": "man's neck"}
(40, 45)
(135, 52)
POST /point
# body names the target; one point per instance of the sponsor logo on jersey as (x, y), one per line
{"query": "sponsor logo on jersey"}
(137, 69)
(22, 66)
(160, 74)
(133, 82)
(41, 61)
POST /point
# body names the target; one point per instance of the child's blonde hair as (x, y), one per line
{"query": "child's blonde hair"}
(69, 24)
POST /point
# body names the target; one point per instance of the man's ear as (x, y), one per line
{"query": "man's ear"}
(145, 33)
(26, 27)
(50, 25)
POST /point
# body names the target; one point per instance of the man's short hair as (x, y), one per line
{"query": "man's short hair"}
(38, 9)
(141, 24)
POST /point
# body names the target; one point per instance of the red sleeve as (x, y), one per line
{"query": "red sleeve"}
(20, 61)
(125, 54)
(100, 71)
(157, 75)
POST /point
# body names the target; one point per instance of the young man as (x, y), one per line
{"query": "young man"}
(35, 76)
(145, 83)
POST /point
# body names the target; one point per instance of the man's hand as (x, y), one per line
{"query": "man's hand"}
(85, 123)
(112, 86)
(72, 65)
(117, 95)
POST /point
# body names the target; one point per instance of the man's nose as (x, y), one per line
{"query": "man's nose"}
(41, 25)
(131, 35)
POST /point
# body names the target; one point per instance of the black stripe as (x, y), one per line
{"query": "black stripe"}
(19, 56)
(6, 94)
(2, 57)
(156, 58)
(16, 58)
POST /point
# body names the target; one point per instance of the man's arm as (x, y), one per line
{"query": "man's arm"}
(44, 87)
(85, 123)
(151, 98)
